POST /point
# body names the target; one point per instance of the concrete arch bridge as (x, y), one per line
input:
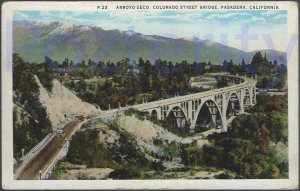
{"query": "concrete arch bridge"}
(214, 108)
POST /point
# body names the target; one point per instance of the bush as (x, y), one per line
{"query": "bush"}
(156, 166)
(224, 175)
(124, 173)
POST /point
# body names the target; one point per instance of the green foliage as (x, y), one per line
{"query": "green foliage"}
(246, 127)
(172, 149)
(124, 156)
(191, 155)
(261, 64)
(44, 73)
(126, 173)
(224, 175)
(272, 111)
(157, 166)
(85, 149)
(282, 82)
(55, 175)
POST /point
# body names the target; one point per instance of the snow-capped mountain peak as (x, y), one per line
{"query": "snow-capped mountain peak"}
(194, 39)
(129, 32)
(63, 27)
(84, 28)
(43, 23)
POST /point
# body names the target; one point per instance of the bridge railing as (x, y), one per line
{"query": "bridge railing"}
(36, 147)
(247, 82)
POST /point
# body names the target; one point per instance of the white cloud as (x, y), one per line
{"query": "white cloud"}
(269, 13)
(255, 19)
(277, 17)
(46, 14)
(226, 15)
(21, 16)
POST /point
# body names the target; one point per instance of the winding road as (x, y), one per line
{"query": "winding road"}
(42, 158)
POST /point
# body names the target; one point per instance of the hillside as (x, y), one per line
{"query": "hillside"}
(127, 148)
(61, 103)
(35, 39)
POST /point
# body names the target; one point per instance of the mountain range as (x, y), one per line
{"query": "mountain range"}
(34, 40)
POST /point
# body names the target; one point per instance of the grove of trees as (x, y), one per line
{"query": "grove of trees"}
(30, 121)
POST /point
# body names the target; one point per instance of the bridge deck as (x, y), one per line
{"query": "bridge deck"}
(247, 83)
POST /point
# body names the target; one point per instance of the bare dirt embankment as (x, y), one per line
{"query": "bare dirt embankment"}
(61, 103)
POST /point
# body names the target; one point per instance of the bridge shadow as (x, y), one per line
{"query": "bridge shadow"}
(208, 118)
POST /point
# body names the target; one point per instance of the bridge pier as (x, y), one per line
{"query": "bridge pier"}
(213, 114)
(242, 102)
(158, 111)
(224, 109)
(224, 126)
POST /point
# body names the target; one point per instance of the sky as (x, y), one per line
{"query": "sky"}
(247, 30)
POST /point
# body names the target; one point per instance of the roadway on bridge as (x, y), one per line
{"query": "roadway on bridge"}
(44, 156)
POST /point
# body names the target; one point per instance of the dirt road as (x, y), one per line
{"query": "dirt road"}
(43, 157)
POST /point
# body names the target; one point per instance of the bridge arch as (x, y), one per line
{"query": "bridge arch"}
(218, 113)
(154, 113)
(178, 114)
(177, 107)
(233, 104)
(146, 113)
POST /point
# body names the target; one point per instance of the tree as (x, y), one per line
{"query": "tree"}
(257, 59)
(230, 66)
(65, 63)
(275, 172)
(89, 62)
(243, 66)
(282, 82)
(273, 106)
(265, 139)
(261, 64)
(45, 73)
(225, 66)
(256, 170)
(82, 64)
(245, 126)
(196, 68)
(71, 63)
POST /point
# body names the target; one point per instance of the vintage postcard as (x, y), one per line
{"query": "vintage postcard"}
(150, 95)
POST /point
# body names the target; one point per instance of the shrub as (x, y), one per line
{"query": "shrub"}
(224, 175)
(124, 173)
